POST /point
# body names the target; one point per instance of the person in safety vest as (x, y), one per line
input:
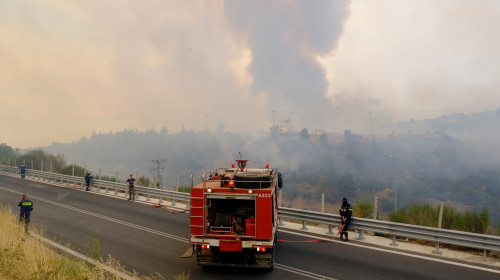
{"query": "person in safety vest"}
(88, 178)
(345, 212)
(26, 208)
(22, 167)
(131, 187)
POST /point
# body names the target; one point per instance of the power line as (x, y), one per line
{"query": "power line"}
(158, 176)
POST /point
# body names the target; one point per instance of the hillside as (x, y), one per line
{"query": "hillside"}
(430, 166)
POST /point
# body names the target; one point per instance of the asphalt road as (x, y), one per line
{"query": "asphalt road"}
(151, 240)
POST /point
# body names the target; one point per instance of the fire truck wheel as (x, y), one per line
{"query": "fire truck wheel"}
(252, 180)
(271, 265)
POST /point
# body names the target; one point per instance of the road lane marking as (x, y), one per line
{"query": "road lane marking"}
(83, 257)
(302, 272)
(150, 230)
(178, 238)
(396, 252)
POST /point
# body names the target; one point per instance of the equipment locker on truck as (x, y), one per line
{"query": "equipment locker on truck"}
(233, 217)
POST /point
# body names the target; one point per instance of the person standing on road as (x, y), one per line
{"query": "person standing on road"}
(345, 212)
(131, 187)
(88, 179)
(26, 208)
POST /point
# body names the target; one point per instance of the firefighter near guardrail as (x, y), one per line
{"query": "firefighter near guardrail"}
(345, 213)
(234, 217)
(131, 188)
(88, 180)
(22, 170)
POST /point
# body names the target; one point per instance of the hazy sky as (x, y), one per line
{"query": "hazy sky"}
(70, 68)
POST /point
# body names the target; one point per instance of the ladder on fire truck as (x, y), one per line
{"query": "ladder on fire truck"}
(203, 198)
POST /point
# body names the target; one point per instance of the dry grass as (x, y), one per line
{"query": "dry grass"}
(25, 257)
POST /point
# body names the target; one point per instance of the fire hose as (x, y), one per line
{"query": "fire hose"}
(168, 209)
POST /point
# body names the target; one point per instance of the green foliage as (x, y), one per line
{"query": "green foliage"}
(35, 158)
(451, 217)
(496, 228)
(68, 170)
(143, 181)
(107, 178)
(58, 162)
(94, 247)
(7, 152)
(398, 216)
(431, 166)
(417, 214)
(476, 222)
(426, 215)
(185, 189)
(363, 209)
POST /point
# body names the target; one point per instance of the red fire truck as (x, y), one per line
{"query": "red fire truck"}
(233, 217)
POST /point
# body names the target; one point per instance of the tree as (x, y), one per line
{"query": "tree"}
(68, 170)
(363, 209)
(36, 156)
(143, 181)
(7, 152)
(58, 162)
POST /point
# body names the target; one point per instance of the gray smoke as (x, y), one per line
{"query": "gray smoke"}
(285, 38)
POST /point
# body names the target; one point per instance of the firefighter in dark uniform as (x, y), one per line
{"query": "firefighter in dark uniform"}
(22, 168)
(88, 179)
(131, 187)
(26, 208)
(345, 212)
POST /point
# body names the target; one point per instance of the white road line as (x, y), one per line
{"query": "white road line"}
(178, 238)
(283, 267)
(397, 253)
(302, 272)
(83, 257)
(167, 235)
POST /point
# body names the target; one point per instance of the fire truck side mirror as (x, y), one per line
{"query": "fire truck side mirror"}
(280, 180)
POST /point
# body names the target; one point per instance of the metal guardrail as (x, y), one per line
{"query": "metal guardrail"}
(460, 238)
(108, 187)
(453, 237)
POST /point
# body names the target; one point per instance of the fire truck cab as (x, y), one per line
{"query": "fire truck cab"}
(233, 217)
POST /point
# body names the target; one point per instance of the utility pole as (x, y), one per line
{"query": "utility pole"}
(158, 170)
(396, 158)
(395, 192)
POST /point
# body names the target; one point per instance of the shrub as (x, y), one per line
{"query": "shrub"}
(427, 215)
(363, 209)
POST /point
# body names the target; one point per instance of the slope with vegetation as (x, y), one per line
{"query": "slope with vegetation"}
(428, 167)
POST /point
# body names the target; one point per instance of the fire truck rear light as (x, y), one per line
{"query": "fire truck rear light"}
(231, 183)
(205, 246)
(261, 249)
